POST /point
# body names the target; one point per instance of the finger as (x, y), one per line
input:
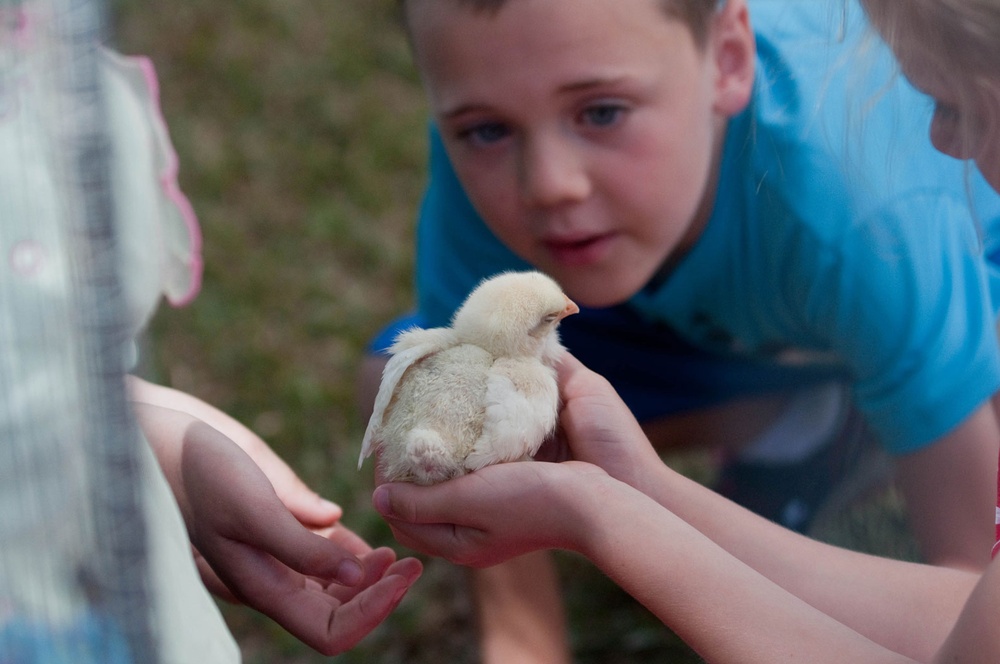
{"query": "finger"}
(311, 509)
(320, 619)
(346, 538)
(375, 565)
(302, 607)
(434, 539)
(353, 620)
(408, 568)
(569, 370)
(568, 367)
(305, 504)
(442, 503)
(381, 563)
(280, 535)
(212, 580)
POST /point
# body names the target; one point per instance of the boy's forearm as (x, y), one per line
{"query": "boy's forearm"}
(949, 488)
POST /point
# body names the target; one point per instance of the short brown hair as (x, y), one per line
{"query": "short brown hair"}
(696, 14)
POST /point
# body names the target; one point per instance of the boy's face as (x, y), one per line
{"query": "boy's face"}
(586, 132)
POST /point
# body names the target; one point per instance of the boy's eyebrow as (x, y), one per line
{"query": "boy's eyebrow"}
(463, 109)
(594, 82)
(575, 86)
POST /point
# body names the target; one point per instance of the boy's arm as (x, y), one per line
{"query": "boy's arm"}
(950, 488)
(914, 319)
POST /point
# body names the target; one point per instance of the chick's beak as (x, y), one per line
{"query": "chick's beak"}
(569, 309)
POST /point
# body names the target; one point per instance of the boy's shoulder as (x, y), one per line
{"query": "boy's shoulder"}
(824, 82)
(833, 134)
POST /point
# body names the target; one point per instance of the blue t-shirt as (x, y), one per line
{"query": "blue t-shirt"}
(841, 244)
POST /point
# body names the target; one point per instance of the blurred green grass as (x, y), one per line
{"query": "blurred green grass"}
(300, 128)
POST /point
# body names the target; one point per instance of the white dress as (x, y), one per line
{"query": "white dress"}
(46, 530)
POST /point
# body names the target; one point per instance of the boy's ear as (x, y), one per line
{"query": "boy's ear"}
(734, 50)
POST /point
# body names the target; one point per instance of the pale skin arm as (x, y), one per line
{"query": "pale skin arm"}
(328, 590)
(710, 579)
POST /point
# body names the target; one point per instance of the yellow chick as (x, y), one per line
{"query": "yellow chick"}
(483, 391)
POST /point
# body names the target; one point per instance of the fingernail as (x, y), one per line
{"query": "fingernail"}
(329, 505)
(349, 573)
(380, 499)
(399, 595)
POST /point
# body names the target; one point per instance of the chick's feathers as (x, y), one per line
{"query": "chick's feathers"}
(483, 391)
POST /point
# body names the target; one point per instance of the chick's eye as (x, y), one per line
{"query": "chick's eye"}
(544, 325)
(485, 133)
(603, 115)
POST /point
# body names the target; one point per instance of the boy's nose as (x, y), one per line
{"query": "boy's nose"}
(552, 173)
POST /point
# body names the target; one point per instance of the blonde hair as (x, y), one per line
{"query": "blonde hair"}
(961, 38)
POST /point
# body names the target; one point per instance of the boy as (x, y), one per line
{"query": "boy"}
(738, 230)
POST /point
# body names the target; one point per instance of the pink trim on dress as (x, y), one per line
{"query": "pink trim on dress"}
(168, 180)
(22, 33)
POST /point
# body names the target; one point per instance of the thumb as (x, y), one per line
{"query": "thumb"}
(395, 501)
(569, 366)
(402, 501)
(305, 504)
(310, 508)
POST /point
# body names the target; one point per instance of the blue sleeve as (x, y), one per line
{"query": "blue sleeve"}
(455, 249)
(894, 281)
(916, 321)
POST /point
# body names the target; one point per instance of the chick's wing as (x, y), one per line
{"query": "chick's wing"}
(409, 347)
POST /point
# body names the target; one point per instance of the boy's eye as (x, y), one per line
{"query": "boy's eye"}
(485, 133)
(603, 115)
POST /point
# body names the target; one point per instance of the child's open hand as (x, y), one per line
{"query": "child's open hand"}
(328, 590)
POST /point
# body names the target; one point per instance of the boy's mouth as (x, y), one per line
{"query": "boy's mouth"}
(575, 252)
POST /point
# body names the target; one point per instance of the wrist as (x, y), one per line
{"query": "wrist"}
(593, 507)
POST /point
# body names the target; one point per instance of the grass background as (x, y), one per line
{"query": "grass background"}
(300, 127)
